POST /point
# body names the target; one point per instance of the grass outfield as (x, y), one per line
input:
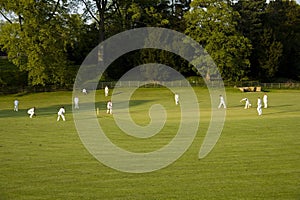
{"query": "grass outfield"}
(255, 157)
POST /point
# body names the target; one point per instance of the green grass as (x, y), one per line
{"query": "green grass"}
(255, 157)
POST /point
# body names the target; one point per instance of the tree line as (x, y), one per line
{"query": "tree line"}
(248, 40)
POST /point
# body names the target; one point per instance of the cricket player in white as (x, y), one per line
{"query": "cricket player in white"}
(106, 90)
(84, 91)
(76, 102)
(265, 99)
(259, 105)
(31, 112)
(109, 107)
(247, 103)
(16, 105)
(176, 99)
(61, 113)
(222, 102)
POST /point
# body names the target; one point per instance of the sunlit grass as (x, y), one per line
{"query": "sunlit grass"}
(256, 157)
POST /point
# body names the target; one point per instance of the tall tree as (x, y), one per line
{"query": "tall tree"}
(273, 30)
(35, 36)
(251, 25)
(269, 58)
(212, 23)
(136, 14)
(167, 14)
(100, 11)
(283, 17)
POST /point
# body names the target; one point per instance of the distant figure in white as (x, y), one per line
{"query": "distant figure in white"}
(84, 91)
(259, 106)
(106, 90)
(61, 113)
(16, 105)
(109, 107)
(176, 97)
(222, 102)
(76, 102)
(247, 103)
(265, 99)
(31, 112)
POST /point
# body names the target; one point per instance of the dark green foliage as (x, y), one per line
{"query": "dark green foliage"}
(35, 39)
(273, 30)
(284, 19)
(10, 75)
(212, 24)
(247, 39)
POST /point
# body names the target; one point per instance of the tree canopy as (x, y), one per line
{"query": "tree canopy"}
(248, 40)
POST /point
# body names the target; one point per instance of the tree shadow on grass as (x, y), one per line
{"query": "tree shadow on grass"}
(281, 112)
(21, 94)
(53, 109)
(40, 111)
(138, 102)
(272, 112)
(116, 93)
(131, 103)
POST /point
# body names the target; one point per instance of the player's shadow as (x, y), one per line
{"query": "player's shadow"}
(277, 106)
(281, 112)
(116, 93)
(236, 106)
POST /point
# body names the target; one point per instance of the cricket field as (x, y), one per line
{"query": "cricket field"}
(256, 157)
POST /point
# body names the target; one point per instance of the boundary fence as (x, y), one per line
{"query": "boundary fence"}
(179, 83)
(101, 85)
(280, 85)
(33, 89)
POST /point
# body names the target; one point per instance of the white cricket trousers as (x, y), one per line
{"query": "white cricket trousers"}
(62, 116)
